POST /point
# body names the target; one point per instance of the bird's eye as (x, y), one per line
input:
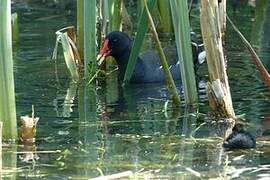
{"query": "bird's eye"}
(115, 40)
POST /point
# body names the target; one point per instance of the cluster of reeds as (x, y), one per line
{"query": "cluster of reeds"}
(97, 18)
(179, 11)
(94, 20)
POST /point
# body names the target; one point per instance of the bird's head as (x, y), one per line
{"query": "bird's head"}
(115, 44)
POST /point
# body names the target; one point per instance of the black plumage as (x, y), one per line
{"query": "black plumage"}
(239, 139)
(148, 68)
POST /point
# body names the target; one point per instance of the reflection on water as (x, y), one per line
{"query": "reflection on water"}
(111, 129)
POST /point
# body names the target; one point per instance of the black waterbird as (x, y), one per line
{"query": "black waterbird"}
(239, 139)
(147, 69)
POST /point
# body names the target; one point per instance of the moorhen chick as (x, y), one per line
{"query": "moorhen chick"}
(147, 69)
(239, 139)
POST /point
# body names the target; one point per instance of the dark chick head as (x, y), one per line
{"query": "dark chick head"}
(116, 44)
(238, 128)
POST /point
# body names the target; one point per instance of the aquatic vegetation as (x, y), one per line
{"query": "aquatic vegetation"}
(218, 90)
(168, 76)
(29, 128)
(182, 29)
(103, 129)
(90, 39)
(141, 31)
(7, 92)
(264, 73)
(15, 28)
(80, 27)
(70, 51)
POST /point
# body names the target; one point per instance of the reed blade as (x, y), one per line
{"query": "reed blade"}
(165, 24)
(141, 30)
(255, 57)
(116, 15)
(89, 38)
(80, 26)
(69, 57)
(181, 24)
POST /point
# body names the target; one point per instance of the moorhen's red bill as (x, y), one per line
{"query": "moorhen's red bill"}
(105, 51)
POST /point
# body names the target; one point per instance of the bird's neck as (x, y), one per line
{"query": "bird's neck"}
(122, 61)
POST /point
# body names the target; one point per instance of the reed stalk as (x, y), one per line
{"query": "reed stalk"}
(80, 27)
(1, 161)
(168, 76)
(99, 23)
(105, 16)
(181, 24)
(87, 102)
(126, 20)
(87, 108)
(165, 22)
(112, 91)
(89, 38)
(140, 8)
(7, 94)
(260, 20)
(263, 71)
(141, 30)
(15, 28)
(114, 23)
(10, 160)
(116, 15)
(218, 88)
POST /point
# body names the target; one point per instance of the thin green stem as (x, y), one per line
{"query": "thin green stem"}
(168, 76)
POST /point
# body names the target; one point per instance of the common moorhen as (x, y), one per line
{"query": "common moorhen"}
(147, 69)
(239, 139)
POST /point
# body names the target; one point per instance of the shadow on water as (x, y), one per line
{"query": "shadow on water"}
(113, 129)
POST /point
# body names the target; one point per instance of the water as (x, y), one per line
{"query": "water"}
(84, 132)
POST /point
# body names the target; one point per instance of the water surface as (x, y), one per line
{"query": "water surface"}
(85, 131)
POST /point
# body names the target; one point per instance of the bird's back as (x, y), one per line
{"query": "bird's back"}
(149, 69)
